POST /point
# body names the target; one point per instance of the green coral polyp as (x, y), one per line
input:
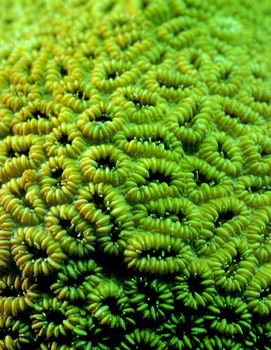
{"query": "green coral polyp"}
(135, 175)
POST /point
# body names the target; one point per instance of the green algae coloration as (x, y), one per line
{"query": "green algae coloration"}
(135, 175)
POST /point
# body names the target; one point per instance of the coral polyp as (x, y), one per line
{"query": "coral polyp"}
(135, 175)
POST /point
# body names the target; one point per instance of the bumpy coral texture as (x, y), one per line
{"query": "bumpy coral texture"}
(135, 186)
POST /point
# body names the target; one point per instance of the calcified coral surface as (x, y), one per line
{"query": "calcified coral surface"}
(135, 186)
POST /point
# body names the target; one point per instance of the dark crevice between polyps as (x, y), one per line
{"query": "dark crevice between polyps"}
(99, 203)
(12, 153)
(223, 218)
(57, 176)
(259, 188)
(64, 139)
(81, 95)
(163, 82)
(115, 229)
(37, 114)
(231, 268)
(159, 59)
(76, 281)
(63, 71)
(151, 295)
(226, 75)
(160, 253)
(22, 196)
(265, 293)
(139, 103)
(229, 314)
(10, 291)
(195, 284)
(37, 253)
(155, 140)
(54, 316)
(264, 152)
(158, 177)
(222, 152)
(195, 61)
(190, 148)
(114, 73)
(174, 216)
(67, 226)
(103, 117)
(192, 119)
(235, 116)
(112, 304)
(201, 178)
(106, 162)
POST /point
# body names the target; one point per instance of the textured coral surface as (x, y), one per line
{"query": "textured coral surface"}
(135, 174)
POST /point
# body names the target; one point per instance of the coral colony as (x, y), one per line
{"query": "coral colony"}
(135, 175)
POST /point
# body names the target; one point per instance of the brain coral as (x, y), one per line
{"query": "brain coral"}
(135, 175)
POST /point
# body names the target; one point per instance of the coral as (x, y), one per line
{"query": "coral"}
(135, 174)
